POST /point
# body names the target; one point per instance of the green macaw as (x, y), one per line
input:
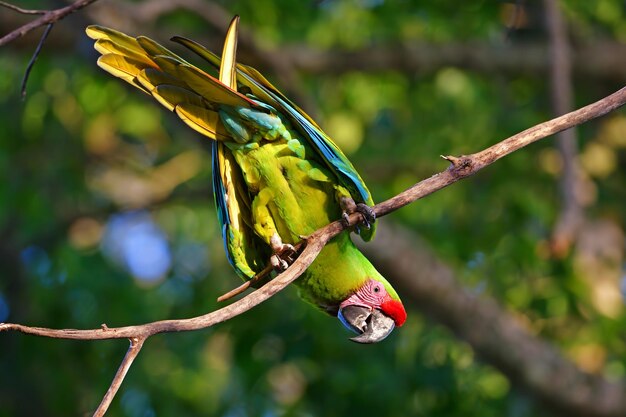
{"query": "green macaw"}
(276, 175)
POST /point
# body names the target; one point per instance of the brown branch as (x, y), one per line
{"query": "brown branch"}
(465, 166)
(249, 283)
(495, 334)
(312, 248)
(138, 334)
(20, 10)
(461, 167)
(136, 344)
(47, 18)
(571, 216)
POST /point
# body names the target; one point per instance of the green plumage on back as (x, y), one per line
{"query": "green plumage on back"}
(276, 175)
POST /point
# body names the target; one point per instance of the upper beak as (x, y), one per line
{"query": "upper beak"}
(372, 325)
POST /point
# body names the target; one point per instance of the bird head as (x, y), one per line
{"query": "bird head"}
(371, 312)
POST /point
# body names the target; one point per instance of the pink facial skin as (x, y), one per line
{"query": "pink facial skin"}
(373, 295)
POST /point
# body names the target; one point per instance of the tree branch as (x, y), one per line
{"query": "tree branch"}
(136, 343)
(464, 166)
(313, 246)
(47, 18)
(495, 334)
(461, 167)
(29, 67)
(20, 10)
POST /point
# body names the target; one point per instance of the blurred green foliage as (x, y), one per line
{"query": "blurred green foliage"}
(99, 184)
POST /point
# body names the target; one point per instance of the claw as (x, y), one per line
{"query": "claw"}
(278, 246)
(368, 213)
(283, 253)
(345, 219)
(349, 206)
(278, 263)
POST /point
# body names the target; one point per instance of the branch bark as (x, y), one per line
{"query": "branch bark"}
(313, 246)
(136, 343)
(495, 334)
(47, 18)
(20, 10)
(461, 167)
(465, 166)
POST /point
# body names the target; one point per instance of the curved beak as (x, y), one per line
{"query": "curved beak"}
(371, 325)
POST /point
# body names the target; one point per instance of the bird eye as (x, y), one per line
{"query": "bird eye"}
(376, 289)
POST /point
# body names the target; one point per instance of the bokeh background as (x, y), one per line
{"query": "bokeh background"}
(515, 309)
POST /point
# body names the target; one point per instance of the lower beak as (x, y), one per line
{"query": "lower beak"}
(371, 325)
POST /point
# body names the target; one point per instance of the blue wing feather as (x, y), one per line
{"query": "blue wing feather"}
(219, 193)
(245, 251)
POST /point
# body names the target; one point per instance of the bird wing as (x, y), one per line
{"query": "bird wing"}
(195, 96)
(245, 250)
(328, 151)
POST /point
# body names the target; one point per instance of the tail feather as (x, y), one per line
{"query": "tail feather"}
(228, 66)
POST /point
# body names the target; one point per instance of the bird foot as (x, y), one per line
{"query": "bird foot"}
(349, 206)
(284, 253)
(368, 213)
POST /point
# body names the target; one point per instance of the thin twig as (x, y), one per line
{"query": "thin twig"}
(243, 287)
(468, 165)
(310, 252)
(20, 10)
(136, 343)
(48, 17)
(34, 58)
(264, 273)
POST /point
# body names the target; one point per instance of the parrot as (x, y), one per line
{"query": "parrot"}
(277, 177)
